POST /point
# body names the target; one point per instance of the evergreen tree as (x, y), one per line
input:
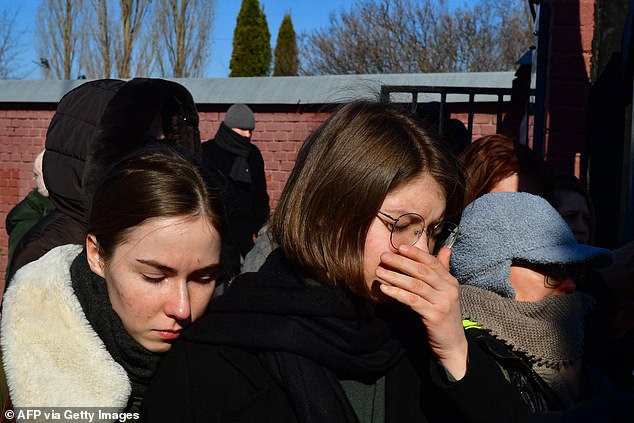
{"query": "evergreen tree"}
(251, 54)
(286, 62)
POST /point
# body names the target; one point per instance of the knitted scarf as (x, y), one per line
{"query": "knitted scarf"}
(239, 146)
(549, 332)
(139, 363)
(308, 336)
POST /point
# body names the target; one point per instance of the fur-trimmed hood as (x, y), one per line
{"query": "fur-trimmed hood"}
(51, 355)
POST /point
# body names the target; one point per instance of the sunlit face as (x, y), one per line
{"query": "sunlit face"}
(573, 207)
(38, 177)
(161, 278)
(422, 195)
(529, 284)
(243, 132)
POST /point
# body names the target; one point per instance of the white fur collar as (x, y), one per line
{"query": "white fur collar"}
(51, 355)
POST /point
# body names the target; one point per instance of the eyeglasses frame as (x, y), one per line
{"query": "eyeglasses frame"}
(425, 228)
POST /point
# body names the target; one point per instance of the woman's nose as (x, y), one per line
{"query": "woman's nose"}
(178, 306)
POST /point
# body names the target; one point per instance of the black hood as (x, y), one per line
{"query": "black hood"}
(128, 118)
(69, 134)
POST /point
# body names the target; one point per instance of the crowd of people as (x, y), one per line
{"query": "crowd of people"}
(402, 277)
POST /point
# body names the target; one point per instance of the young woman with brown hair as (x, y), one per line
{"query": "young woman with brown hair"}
(355, 317)
(85, 326)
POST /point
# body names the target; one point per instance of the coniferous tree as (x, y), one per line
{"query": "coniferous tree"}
(286, 61)
(251, 54)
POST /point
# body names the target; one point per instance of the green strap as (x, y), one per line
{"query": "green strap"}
(470, 324)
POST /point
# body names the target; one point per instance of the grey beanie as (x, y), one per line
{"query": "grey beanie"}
(240, 116)
(499, 227)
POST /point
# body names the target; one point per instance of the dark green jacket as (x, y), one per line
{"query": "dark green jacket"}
(24, 215)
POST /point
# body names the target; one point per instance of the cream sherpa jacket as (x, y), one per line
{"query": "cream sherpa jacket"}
(51, 355)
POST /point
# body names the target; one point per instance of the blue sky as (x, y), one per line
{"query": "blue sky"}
(306, 15)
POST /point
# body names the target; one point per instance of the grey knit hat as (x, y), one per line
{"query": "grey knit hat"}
(499, 227)
(240, 116)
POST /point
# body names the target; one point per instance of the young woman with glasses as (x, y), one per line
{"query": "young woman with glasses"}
(354, 317)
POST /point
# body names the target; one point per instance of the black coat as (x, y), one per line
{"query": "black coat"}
(95, 125)
(247, 203)
(68, 137)
(221, 370)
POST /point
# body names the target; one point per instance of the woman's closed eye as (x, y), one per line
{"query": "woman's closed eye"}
(207, 275)
(154, 278)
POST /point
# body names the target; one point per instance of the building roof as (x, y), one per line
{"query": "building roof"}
(327, 89)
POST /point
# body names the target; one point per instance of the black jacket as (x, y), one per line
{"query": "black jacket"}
(247, 202)
(605, 404)
(274, 346)
(68, 138)
(94, 125)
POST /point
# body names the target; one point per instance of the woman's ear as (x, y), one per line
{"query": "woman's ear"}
(94, 257)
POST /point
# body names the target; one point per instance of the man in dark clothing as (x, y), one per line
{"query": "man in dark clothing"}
(232, 153)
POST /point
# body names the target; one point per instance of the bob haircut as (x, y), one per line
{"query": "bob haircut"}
(491, 158)
(157, 180)
(344, 171)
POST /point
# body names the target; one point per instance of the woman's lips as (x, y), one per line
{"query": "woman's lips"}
(168, 334)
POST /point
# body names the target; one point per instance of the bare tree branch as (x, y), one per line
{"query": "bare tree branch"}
(396, 36)
(59, 37)
(185, 35)
(10, 44)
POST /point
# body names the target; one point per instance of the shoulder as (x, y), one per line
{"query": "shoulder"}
(53, 266)
(254, 152)
(44, 332)
(198, 380)
(209, 145)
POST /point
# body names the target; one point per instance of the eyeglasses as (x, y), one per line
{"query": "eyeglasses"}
(409, 227)
(555, 274)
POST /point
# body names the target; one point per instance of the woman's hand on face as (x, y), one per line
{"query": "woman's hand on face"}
(422, 282)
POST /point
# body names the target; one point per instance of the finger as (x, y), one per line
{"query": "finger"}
(443, 256)
(416, 302)
(418, 264)
(411, 288)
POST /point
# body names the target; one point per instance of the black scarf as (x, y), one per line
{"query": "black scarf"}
(239, 146)
(308, 336)
(139, 363)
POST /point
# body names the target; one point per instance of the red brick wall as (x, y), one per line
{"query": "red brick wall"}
(572, 24)
(22, 133)
(279, 133)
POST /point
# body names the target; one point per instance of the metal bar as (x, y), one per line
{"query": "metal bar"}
(498, 119)
(541, 76)
(471, 113)
(441, 113)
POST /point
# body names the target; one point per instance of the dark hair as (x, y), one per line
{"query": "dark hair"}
(157, 180)
(491, 158)
(344, 171)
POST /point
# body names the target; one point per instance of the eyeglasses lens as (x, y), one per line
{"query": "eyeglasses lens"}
(407, 230)
(555, 275)
(443, 234)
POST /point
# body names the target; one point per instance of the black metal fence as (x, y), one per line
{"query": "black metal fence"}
(505, 97)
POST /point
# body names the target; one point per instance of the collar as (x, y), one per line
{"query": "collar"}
(51, 355)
